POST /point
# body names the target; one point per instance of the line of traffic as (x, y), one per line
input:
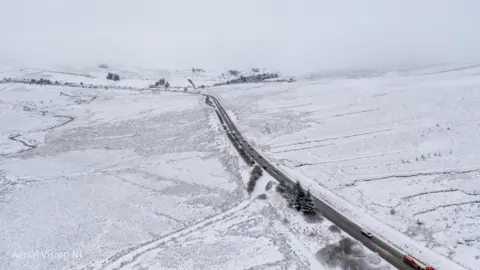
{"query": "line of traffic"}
(391, 254)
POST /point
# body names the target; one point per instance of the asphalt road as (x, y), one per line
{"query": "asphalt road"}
(390, 254)
(387, 252)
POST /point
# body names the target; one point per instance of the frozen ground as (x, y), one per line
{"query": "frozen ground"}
(109, 179)
(134, 77)
(129, 168)
(402, 146)
(256, 234)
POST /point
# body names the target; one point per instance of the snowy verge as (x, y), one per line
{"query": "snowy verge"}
(390, 235)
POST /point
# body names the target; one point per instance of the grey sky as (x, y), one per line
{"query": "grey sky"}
(242, 33)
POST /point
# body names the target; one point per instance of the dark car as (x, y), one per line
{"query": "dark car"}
(367, 234)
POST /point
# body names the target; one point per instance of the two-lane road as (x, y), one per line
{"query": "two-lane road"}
(390, 254)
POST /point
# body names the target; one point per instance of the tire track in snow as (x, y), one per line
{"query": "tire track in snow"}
(6, 87)
(170, 217)
(415, 174)
(406, 198)
(335, 137)
(128, 256)
(436, 191)
(347, 159)
(351, 113)
(303, 148)
(138, 185)
(79, 98)
(445, 206)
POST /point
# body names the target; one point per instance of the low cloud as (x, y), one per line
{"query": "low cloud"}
(309, 34)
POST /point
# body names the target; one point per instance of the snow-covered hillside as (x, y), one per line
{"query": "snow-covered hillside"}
(399, 148)
(95, 178)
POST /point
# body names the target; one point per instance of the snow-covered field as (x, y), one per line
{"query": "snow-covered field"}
(109, 179)
(401, 146)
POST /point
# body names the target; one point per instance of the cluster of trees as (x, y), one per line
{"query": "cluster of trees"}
(254, 176)
(208, 101)
(297, 197)
(251, 79)
(49, 82)
(113, 76)
(41, 81)
(159, 82)
(197, 70)
(234, 72)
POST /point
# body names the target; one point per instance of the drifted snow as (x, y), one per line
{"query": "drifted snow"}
(138, 180)
(373, 144)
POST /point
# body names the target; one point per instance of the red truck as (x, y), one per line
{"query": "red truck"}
(416, 265)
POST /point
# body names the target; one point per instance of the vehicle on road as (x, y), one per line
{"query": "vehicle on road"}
(367, 234)
(415, 264)
(256, 158)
